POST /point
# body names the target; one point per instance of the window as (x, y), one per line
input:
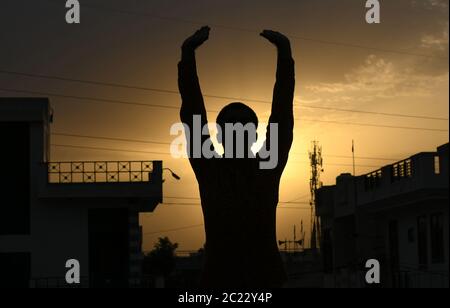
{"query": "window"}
(422, 241)
(437, 238)
(437, 165)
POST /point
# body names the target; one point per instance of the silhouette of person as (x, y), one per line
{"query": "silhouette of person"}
(239, 199)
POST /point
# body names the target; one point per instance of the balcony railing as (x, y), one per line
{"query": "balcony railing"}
(402, 170)
(99, 172)
(373, 180)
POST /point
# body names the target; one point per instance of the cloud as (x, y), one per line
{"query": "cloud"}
(378, 78)
(437, 42)
(431, 4)
(438, 3)
(307, 101)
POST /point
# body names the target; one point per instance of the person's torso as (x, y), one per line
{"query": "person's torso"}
(239, 206)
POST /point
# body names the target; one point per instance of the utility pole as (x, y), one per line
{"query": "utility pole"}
(353, 156)
(355, 186)
(315, 157)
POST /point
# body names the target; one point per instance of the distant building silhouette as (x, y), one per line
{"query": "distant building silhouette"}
(398, 215)
(55, 211)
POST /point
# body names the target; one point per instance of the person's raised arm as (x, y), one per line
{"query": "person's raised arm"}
(188, 84)
(283, 95)
(191, 94)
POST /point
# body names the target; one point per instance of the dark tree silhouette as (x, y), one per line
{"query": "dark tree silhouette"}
(161, 260)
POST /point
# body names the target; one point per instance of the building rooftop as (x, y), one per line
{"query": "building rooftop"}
(421, 176)
(136, 181)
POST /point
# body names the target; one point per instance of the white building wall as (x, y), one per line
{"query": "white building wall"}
(435, 274)
(59, 227)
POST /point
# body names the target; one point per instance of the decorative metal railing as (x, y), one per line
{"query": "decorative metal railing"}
(99, 172)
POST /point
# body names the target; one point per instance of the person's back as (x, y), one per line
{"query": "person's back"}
(239, 206)
(239, 198)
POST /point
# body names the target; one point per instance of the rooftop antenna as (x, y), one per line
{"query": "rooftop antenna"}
(296, 244)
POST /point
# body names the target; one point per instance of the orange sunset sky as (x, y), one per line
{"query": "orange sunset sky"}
(397, 67)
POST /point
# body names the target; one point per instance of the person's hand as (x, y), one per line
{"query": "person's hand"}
(276, 38)
(197, 39)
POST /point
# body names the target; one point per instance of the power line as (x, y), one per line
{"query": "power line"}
(70, 146)
(105, 149)
(363, 157)
(90, 82)
(350, 165)
(117, 85)
(294, 202)
(162, 153)
(102, 100)
(300, 198)
(379, 113)
(123, 86)
(110, 138)
(90, 98)
(400, 52)
(374, 125)
(197, 204)
(185, 198)
(336, 164)
(249, 30)
(174, 229)
(168, 143)
(351, 157)
(196, 198)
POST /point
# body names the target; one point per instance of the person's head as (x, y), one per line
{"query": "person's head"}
(238, 113)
